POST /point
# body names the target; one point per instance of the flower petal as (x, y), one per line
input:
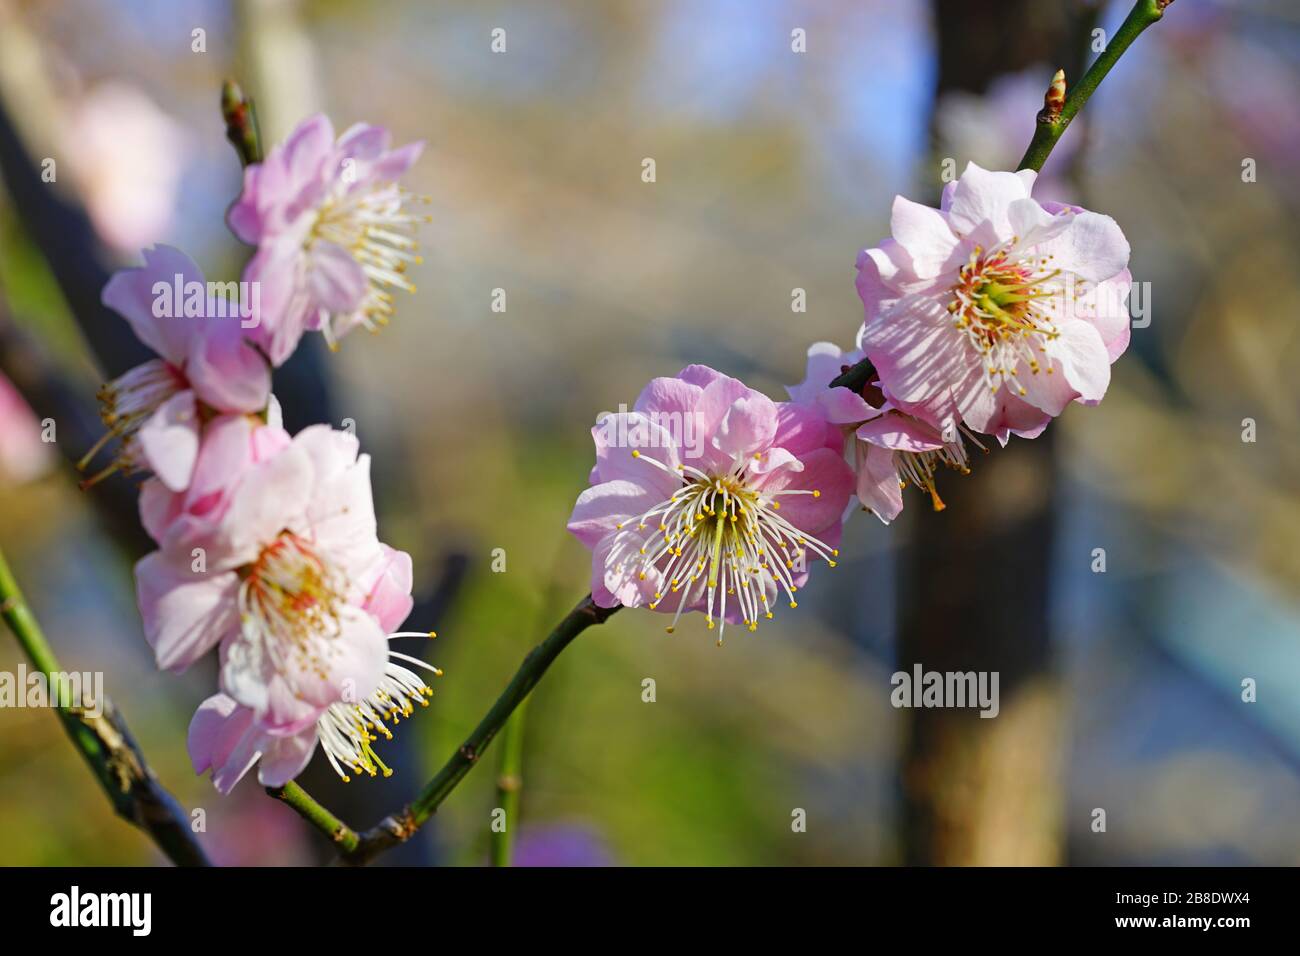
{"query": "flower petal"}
(1093, 248)
(900, 432)
(335, 280)
(984, 198)
(223, 738)
(878, 487)
(286, 757)
(169, 440)
(600, 508)
(186, 613)
(144, 297)
(387, 586)
(925, 234)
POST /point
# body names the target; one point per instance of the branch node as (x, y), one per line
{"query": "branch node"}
(1054, 100)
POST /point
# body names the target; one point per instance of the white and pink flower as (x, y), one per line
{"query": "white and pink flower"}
(228, 739)
(892, 448)
(205, 367)
(286, 560)
(720, 525)
(995, 310)
(334, 232)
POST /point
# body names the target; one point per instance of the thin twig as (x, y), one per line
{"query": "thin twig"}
(1054, 118)
(100, 734)
(510, 782)
(343, 836)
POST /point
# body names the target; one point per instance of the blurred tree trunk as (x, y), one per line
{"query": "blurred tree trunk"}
(975, 579)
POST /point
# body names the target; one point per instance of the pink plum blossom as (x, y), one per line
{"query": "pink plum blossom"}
(892, 449)
(994, 310)
(333, 230)
(227, 738)
(204, 367)
(283, 580)
(718, 500)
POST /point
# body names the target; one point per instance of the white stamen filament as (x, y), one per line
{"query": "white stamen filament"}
(919, 468)
(125, 404)
(347, 730)
(289, 604)
(717, 536)
(374, 225)
(1005, 303)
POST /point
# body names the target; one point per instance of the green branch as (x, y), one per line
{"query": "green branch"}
(401, 826)
(342, 835)
(510, 781)
(101, 736)
(1056, 116)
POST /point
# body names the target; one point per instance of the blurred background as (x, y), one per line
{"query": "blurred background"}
(1120, 690)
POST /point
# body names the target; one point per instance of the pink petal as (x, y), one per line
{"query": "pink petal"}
(286, 757)
(900, 433)
(225, 371)
(131, 293)
(600, 508)
(186, 613)
(244, 218)
(982, 197)
(169, 440)
(1106, 307)
(747, 427)
(877, 486)
(825, 471)
(271, 498)
(925, 234)
(1093, 248)
(802, 428)
(1085, 360)
(335, 280)
(159, 507)
(714, 405)
(1033, 224)
(617, 436)
(345, 666)
(700, 375)
(223, 737)
(308, 147)
(915, 349)
(340, 517)
(669, 395)
(286, 310)
(395, 163)
(881, 271)
(354, 662)
(387, 586)
(363, 141)
(826, 361)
